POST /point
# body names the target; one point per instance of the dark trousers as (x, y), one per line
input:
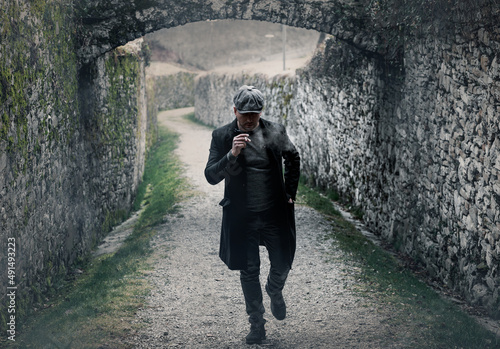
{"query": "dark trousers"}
(263, 226)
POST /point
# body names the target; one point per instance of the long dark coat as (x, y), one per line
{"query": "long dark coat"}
(233, 240)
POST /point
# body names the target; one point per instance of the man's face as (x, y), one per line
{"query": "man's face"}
(247, 122)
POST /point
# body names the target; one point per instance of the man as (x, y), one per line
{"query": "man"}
(258, 203)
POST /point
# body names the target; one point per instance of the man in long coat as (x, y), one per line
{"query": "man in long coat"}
(258, 203)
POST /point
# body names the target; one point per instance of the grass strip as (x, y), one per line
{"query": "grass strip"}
(191, 117)
(97, 309)
(420, 316)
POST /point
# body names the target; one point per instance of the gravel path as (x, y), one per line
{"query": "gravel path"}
(196, 302)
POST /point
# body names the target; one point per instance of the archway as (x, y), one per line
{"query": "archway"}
(106, 25)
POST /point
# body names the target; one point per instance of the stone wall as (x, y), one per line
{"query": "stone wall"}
(110, 23)
(415, 146)
(72, 145)
(114, 110)
(175, 90)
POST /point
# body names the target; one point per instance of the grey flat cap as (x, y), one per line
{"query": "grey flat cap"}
(248, 100)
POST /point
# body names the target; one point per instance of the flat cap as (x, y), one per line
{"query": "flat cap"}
(248, 100)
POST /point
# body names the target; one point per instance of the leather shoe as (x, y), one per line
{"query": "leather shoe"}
(278, 306)
(257, 331)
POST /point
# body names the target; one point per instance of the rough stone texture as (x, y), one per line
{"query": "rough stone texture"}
(417, 149)
(113, 105)
(107, 24)
(174, 91)
(152, 112)
(72, 144)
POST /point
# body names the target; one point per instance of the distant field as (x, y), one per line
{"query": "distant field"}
(208, 45)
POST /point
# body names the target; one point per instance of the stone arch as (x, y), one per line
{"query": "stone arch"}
(104, 25)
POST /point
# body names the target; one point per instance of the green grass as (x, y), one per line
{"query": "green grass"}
(162, 175)
(97, 308)
(313, 198)
(421, 317)
(191, 117)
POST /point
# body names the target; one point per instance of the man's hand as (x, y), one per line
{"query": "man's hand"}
(239, 142)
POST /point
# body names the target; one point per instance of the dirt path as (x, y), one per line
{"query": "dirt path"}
(196, 302)
(271, 67)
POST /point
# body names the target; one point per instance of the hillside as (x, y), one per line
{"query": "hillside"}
(212, 44)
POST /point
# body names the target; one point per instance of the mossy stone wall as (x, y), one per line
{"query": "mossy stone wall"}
(175, 90)
(71, 148)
